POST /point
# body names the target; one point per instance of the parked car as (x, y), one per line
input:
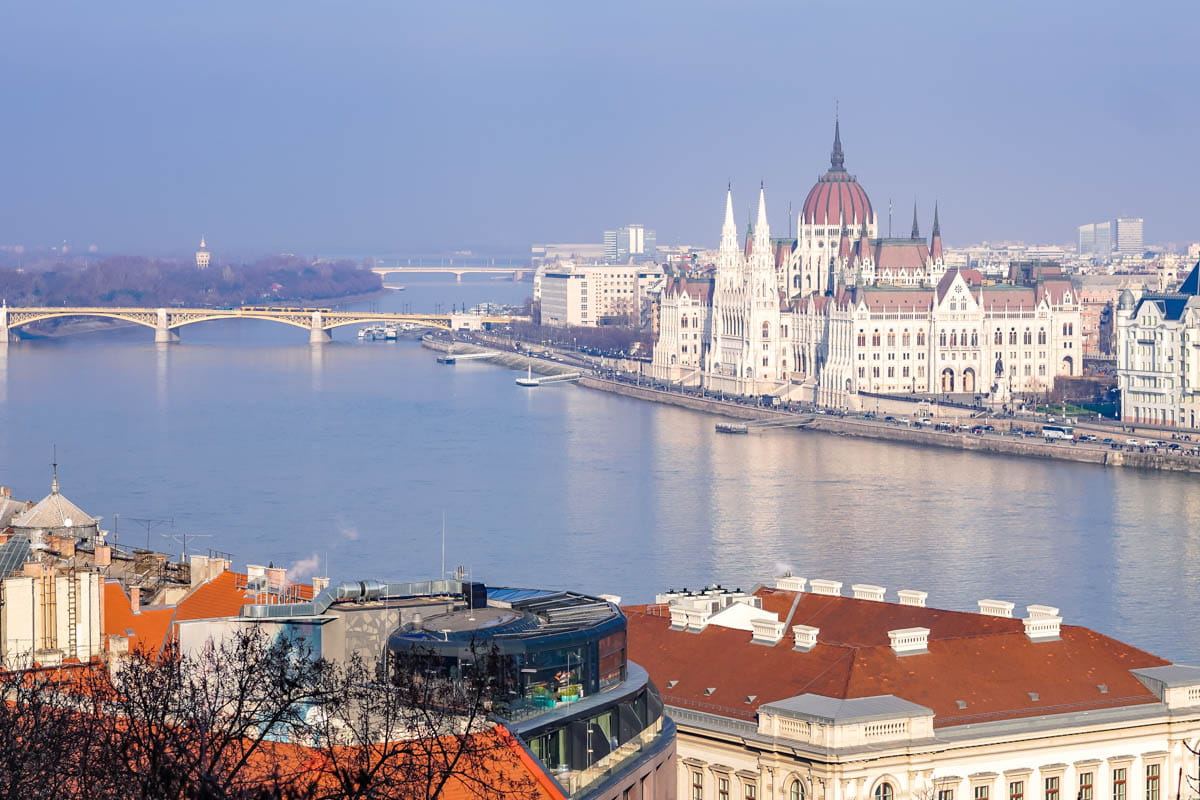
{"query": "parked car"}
(1132, 442)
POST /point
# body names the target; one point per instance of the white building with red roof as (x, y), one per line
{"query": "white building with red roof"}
(835, 697)
(839, 313)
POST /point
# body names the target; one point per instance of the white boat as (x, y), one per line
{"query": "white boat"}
(529, 380)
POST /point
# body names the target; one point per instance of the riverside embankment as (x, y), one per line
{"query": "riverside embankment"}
(997, 443)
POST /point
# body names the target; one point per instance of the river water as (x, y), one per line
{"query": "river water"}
(345, 458)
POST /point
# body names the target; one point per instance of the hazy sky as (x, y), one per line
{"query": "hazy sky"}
(389, 126)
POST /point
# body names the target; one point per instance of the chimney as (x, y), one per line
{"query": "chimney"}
(103, 555)
(789, 583)
(805, 637)
(909, 641)
(996, 608)
(912, 597)
(135, 600)
(832, 588)
(865, 591)
(320, 585)
(767, 631)
(198, 571)
(276, 578)
(1043, 624)
(33, 569)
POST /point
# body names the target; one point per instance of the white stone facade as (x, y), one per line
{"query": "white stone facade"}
(1158, 356)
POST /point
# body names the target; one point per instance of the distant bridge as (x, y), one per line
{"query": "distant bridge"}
(517, 273)
(166, 322)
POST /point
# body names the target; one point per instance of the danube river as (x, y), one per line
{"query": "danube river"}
(345, 458)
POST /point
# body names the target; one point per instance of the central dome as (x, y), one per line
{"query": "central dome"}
(837, 198)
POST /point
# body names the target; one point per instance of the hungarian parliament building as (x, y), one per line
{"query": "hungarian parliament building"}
(838, 311)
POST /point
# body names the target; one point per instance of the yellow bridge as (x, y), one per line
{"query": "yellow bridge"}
(166, 322)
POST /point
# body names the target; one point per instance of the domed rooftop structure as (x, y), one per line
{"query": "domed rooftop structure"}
(55, 515)
(837, 198)
(1126, 300)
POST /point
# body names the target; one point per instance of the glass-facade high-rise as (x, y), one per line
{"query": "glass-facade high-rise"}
(630, 244)
(1130, 240)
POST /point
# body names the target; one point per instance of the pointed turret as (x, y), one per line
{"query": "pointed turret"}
(844, 242)
(935, 244)
(837, 160)
(916, 231)
(729, 229)
(762, 231)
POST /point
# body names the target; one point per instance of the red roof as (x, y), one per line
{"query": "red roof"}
(837, 199)
(699, 289)
(987, 663)
(901, 254)
(223, 596)
(893, 300)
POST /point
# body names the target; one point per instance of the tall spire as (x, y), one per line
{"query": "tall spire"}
(837, 160)
(762, 231)
(54, 471)
(935, 244)
(916, 231)
(729, 229)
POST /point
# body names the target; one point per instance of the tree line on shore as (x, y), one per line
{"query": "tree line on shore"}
(138, 281)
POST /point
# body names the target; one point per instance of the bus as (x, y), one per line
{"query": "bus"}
(1051, 432)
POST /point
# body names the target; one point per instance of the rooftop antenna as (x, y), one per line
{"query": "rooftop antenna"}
(54, 469)
(889, 217)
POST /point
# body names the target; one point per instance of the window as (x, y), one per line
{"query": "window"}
(1012, 336)
(953, 339)
(945, 794)
(905, 339)
(974, 338)
(982, 792)
(1051, 789)
(1028, 336)
(796, 790)
(875, 372)
(766, 329)
(891, 340)
(683, 322)
(862, 372)
(875, 339)
(1119, 784)
(999, 336)
(884, 791)
(891, 372)
(920, 338)
(1016, 789)
(722, 788)
(1041, 335)
(1085, 786)
(862, 339)
(942, 339)
(1152, 782)
(750, 792)
(697, 785)
(767, 359)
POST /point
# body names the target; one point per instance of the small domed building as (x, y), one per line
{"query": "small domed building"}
(55, 515)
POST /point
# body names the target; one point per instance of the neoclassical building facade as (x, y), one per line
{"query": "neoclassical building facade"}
(801, 691)
(838, 312)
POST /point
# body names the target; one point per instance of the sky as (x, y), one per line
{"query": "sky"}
(381, 126)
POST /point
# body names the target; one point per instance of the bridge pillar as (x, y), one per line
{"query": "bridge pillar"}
(4, 324)
(317, 333)
(458, 277)
(162, 333)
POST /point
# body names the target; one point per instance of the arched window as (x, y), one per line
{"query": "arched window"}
(953, 339)
(920, 338)
(796, 790)
(999, 336)
(862, 339)
(891, 338)
(875, 338)
(974, 338)
(884, 791)
(1028, 336)
(766, 330)
(942, 338)
(683, 322)
(1012, 336)
(905, 338)
(1041, 335)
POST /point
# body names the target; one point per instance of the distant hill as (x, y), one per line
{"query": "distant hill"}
(136, 281)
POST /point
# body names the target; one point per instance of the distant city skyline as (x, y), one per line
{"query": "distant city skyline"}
(380, 128)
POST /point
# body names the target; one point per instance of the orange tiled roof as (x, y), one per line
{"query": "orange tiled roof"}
(223, 596)
(986, 662)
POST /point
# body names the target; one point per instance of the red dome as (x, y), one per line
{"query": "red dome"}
(837, 197)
